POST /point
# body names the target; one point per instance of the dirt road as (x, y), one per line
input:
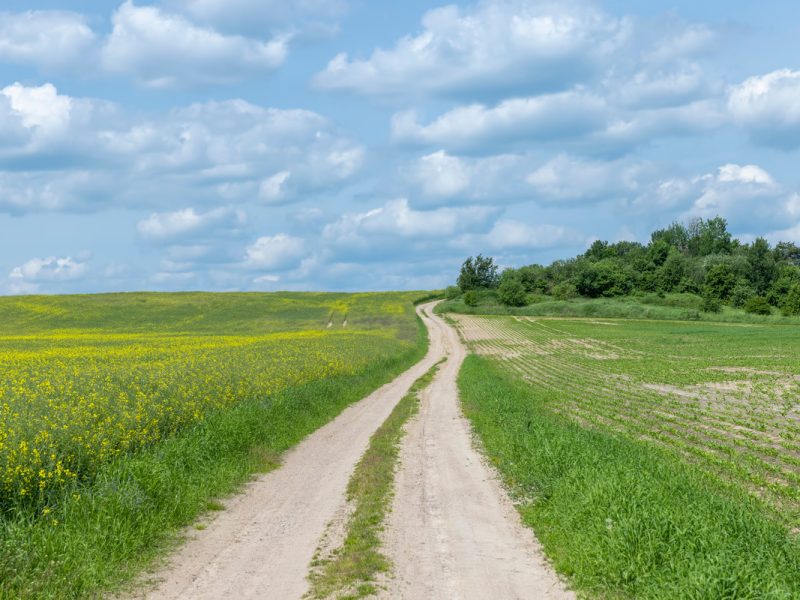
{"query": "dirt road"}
(453, 533)
(261, 545)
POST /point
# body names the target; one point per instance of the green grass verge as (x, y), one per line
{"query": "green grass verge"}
(674, 307)
(102, 534)
(618, 518)
(351, 570)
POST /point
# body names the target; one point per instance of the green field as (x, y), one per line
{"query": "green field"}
(654, 459)
(123, 415)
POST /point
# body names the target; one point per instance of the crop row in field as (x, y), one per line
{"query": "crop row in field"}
(86, 381)
(620, 517)
(724, 397)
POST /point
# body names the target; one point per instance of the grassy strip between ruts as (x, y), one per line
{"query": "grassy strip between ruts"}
(101, 535)
(350, 571)
(621, 519)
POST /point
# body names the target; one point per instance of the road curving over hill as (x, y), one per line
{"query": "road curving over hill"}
(453, 532)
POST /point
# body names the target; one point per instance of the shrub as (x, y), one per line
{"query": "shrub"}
(471, 298)
(533, 278)
(605, 278)
(710, 303)
(741, 293)
(720, 281)
(687, 286)
(512, 293)
(791, 305)
(564, 291)
(757, 305)
(537, 297)
(452, 292)
(672, 273)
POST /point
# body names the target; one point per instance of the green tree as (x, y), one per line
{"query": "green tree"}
(676, 235)
(657, 252)
(720, 281)
(598, 251)
(533, 277)
(672, 271)
(791, 304)
(478, 272)
(788, 275)
(763, 270)
(709, 237)
(787, 252)
(630, 251)
(604, 278)
(511, 292)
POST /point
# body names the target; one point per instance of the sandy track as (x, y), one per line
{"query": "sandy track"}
(261, 545)
(453, 532)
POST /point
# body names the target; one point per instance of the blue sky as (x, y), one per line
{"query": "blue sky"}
(354, 144)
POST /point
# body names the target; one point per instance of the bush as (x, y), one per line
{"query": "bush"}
(710, 303)
(537, 297)
(757, 305)
(605, 278)
(512, 293)
(564, 291)
(471, 298)
(452, 292)
(791, 305)
(741, 293)
(720, 281)
(687, 286)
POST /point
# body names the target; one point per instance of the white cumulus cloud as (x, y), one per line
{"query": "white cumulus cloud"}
(187, 223)
(555, 116)
(257, 16)
(50, 269)
(40, 107)
(494, 47)
(397, 218)
(165, 50)
(44, 38)
(568, 179)
(445, 179)
(275, 253)
(510, 234)
(768, 108)
(75, 153)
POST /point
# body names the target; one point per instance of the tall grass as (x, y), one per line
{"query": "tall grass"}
(676, 307)
(619, 518)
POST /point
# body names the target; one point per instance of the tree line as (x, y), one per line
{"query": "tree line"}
(700, 257)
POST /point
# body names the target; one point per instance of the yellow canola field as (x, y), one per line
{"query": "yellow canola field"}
(70, 402)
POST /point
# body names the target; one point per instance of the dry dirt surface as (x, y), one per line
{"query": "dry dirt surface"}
(453, 532)
(260, 546)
